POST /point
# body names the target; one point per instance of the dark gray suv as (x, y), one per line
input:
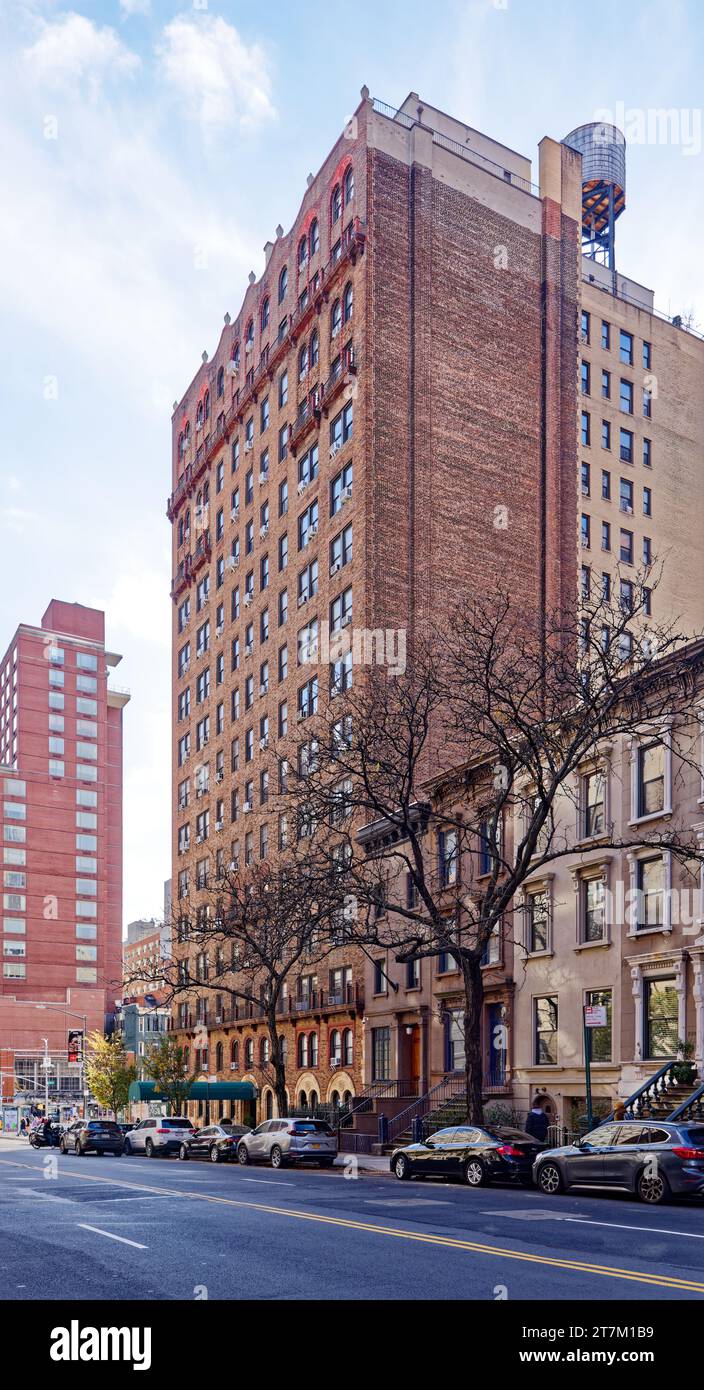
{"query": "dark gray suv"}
(654, 1159)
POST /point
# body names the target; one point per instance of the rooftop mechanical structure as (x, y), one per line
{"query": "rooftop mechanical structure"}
(603, 151)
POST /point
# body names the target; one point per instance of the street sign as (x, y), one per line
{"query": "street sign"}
(595, 1016)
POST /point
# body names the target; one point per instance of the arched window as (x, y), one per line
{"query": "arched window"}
(314, 348)
(218, 1057)
(348, 302)
(180, 531)
(265, 313)
(335, 1098)
(181, 446)
(249, 336)
(269, 1105)
(303, 362)
(249, 1052)
(264, 1050)
(206, 494)
(187, 1059)
(235, 1054)
(336, 319)
(313, 1099)
(199, 416)
(348, 1047)
(187, 522)
(347, 1098)
(336, 204)
(335, 1047)
(302, 251)
(314, 1049)
(283, 1049)
(302, 1100)
(349, 185)
(283, 284)
(314, 239)
(236, 357)
(206, 405)
(303, 1052)
(221, 381)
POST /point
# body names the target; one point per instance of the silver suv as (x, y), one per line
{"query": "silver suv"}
(279, 1142)
(155, 1137)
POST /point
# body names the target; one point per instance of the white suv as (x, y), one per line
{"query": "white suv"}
(159, 1136)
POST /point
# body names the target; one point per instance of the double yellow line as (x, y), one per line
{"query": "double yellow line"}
(447, 1242)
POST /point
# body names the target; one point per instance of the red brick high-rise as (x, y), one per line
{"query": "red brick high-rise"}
(61, 783)
(387, 424)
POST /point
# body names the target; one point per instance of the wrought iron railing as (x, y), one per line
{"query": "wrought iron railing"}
(691, 1109)
(649, 1094)
(450, 1088)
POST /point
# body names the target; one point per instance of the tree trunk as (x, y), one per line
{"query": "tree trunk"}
(473, 1000)
(278, 1065)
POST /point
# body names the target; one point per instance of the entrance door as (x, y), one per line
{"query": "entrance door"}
(414, 1054)
(496, 1045)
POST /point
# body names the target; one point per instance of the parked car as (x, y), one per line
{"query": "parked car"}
(156, 1137)
(279, 1142)
(92, 1136)
(216, 1142)
(653, 1159)
(477, 1155)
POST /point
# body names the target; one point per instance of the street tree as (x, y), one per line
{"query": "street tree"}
(440, 790)
(166, 1064)
(109, 1072)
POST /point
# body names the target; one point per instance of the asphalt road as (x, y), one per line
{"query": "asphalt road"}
(109, 1228)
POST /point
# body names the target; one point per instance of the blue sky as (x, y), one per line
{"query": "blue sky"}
(151, 148)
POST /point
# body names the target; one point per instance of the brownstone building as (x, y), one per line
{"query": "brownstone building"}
(365, 445)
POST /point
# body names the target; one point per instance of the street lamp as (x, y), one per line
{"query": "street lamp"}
(35, 1004)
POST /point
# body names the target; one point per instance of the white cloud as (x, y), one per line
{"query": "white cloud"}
(73, 48)
(135, 6)
(224, 81)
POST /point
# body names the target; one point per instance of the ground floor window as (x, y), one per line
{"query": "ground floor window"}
(661, 1016)
(600, 1037)
(454, 1040)
(381, 1054)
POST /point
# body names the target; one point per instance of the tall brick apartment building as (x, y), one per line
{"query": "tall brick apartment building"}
(387, 424)
(61, 781)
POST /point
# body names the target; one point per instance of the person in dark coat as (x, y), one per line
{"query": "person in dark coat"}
(537, 1121)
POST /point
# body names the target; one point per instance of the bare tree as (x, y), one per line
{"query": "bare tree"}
(441, 790)
(252, 933)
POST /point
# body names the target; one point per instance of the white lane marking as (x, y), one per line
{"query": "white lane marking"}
(271, 1182)
(617, 1226)
(123, 1239)
(406, 1202)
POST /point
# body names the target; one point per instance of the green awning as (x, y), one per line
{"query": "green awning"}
(200, 1090)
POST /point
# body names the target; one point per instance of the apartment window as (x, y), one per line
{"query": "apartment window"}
(308, 466)
(606, 588)
(625, 344)
(647, 502)
(661, 1019)
(586, 428)
(283, 390)
(626, 547)
(283, 607)
(57, 768)
(283, 552)
(264, 572)
(586, 530)
(586, 582)
(647, 357)
(308, 582)
(593, 911)
(308, 698)
(647, 454)
(545, 1031)
(605, 434)
(585, 326)
(606, 484)
(647, 551)
(650, 768)
(381, 1054)
(235, 455)
(341, 674)
(625, 440)
(341, 610)
(606, 385)
(537, 922)
(626, 496)
(605, 335)
(626, 396)
(340, 489)
(448, 857)
(56, 677)
(647, 404)
(650, 878)
(585, 477)
(264, 415)
(585, 378)
(283, 443)
(307, 525)
(593, 802)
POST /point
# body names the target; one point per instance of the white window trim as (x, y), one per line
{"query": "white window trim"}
(599, 869)
(537, 885)
(637, 741)
(633, 857)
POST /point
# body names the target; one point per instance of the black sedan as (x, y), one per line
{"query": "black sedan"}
(652, 1159)
(216, 1142)
(92, 1136)
(477, 1155)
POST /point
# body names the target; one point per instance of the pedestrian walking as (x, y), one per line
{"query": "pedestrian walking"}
(537, 1121)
